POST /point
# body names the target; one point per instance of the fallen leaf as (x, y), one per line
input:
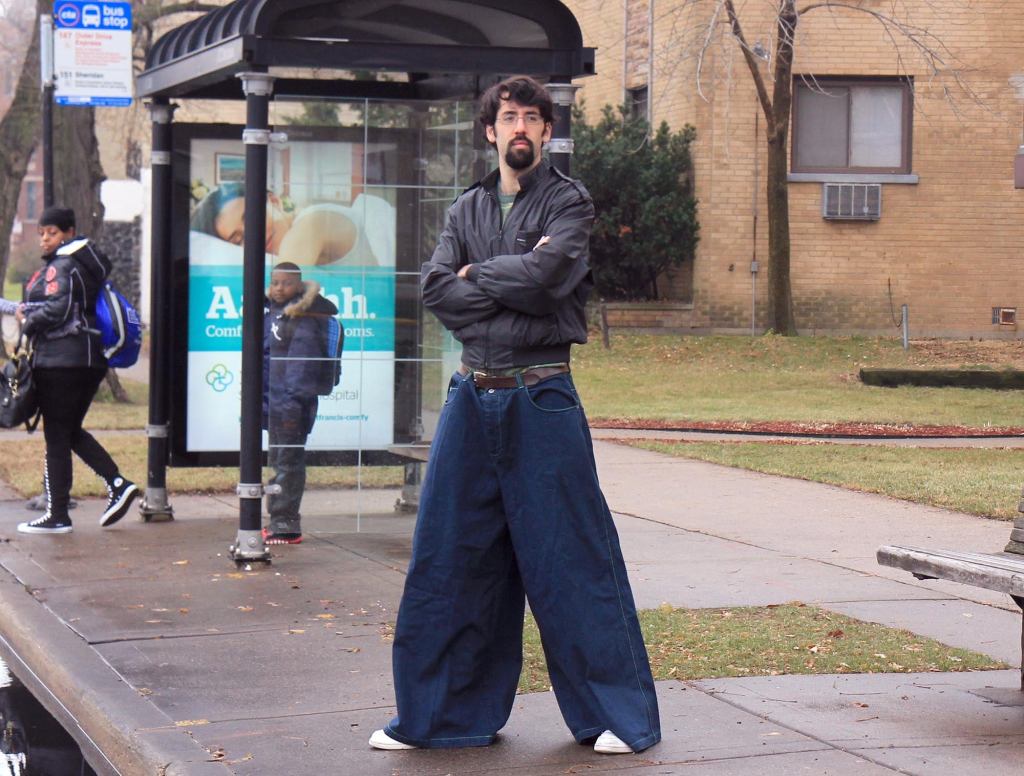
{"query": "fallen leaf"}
(179, 563)
(244, 608)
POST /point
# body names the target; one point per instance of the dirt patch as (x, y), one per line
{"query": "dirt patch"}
(809, 429)
(960, 353)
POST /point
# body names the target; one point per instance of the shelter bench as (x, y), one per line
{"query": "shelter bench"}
(1002, 571)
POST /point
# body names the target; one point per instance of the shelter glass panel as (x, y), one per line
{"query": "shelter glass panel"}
(356, 203)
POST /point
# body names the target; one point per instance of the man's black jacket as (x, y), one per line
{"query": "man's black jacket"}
(519, 306)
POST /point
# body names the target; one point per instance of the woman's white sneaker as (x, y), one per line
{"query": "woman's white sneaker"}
(609, 743)
(381, 740)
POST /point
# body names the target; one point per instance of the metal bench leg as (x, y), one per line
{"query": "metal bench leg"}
(1020, 602)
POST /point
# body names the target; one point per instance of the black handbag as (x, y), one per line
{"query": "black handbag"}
(18, 402)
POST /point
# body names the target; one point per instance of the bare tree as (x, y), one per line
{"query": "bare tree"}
(19, 130)
(772, 75)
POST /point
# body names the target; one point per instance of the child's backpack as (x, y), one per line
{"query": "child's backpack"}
(331, 374)
(120, 327)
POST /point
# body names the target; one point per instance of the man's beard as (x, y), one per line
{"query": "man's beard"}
(520, 157)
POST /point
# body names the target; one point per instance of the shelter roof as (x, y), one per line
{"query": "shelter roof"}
(430, 48)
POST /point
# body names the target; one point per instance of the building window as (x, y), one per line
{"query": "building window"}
(852, 125)
(31, 201)
(636, 101)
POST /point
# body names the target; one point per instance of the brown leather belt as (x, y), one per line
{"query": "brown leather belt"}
(529, 377)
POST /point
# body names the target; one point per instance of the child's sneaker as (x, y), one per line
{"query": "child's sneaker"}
(120, 494)
(281, 538)
(47, 524)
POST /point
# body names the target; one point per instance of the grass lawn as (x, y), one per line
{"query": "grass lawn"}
(21, 467)
(980, 481)
(106, 414)
(770, 378)
(801, 379)
(768, 641)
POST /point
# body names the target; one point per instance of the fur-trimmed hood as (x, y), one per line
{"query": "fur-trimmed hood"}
(309, 303)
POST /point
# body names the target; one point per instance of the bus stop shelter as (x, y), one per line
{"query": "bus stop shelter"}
(397, 146)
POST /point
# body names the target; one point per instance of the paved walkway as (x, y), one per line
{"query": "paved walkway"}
(162, 657)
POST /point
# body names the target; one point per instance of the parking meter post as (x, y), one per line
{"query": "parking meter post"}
(46, 83)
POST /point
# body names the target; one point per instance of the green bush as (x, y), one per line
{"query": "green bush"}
(642, 186)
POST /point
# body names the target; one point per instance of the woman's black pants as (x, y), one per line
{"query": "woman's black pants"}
(64, 398)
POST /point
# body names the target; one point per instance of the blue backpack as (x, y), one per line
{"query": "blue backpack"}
(120, 327)
(331, 370)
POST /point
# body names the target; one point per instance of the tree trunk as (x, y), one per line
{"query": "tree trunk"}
(780, 293)
(77, 171)
(780, 297)
(19, 133)
(116, 389)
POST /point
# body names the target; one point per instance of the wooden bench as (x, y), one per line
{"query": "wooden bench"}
(1002, 572)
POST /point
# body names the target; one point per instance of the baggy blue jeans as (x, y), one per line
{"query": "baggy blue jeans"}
(511, 505)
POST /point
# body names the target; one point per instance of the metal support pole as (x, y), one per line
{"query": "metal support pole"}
(1020, 603)
(155, 506)
(905, 325)
(249, 545)
(560, 146)
(46, 82)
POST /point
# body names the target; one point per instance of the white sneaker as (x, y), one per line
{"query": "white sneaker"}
(381, 740)
(609, 743)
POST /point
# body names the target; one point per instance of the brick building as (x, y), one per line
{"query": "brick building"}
(901, 189)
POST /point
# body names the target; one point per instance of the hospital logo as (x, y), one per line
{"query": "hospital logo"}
(219, 378)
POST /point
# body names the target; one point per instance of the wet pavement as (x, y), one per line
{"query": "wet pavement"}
(160, 656)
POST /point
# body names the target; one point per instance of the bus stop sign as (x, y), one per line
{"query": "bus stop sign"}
(92, 51)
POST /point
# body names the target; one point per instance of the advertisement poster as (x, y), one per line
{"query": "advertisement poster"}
(342, 234)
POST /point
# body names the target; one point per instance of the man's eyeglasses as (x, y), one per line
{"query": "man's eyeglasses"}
(511, 119)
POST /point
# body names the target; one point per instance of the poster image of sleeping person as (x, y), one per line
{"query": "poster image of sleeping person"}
(320, 234)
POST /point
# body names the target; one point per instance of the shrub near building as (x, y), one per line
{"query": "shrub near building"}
(641, 183)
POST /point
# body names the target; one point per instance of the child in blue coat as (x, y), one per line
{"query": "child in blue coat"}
(296, 341)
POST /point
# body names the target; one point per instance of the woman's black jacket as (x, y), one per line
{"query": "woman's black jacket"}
(60, 310)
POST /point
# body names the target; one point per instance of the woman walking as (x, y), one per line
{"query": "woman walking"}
(59, 317)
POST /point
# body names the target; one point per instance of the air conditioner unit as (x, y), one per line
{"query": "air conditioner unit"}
(852, 201)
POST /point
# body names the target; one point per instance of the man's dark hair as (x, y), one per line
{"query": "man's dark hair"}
(288, 266)
(61, 217)
(521, 89)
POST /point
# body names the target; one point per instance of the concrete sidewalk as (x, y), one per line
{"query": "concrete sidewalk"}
(162, 657)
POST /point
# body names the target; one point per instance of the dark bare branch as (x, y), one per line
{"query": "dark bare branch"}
(753, 64)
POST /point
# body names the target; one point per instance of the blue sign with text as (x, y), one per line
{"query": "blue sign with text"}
(86, 15)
